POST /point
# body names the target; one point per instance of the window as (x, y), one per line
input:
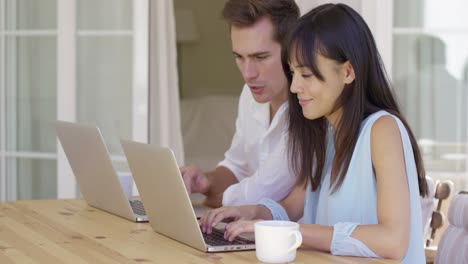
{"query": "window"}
(28, 36)
(430, 58)
(72, 60)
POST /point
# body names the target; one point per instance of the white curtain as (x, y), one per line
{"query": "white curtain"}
(165, 129)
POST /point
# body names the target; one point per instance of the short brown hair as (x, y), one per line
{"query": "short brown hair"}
(244, 13)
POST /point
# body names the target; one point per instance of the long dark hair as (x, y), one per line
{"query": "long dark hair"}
(339, 33)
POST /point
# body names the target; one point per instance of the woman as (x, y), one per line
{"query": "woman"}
(359, 169)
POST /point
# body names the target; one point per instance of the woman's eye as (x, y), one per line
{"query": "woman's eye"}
(307, 75)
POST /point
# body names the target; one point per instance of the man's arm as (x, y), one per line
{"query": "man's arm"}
(214, 183)
(219, 180)
(272, 179)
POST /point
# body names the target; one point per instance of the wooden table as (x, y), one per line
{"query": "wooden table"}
(69, 231)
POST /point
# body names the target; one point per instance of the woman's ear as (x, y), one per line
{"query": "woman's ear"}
(349, 73)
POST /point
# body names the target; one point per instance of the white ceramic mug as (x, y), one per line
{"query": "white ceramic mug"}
(277, 241)
(126, 181)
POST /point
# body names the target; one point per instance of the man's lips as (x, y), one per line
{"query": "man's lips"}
(257, 89)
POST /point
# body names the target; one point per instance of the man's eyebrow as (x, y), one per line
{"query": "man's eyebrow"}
(262, 53)
(256, 54)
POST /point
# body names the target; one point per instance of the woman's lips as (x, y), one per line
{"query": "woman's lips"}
(304, 101)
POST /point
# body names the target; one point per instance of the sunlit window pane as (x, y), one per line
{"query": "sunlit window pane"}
(104, 14)
(105, 86)
(31, 14)
(430, 59)
(31, 93)
(36, 179)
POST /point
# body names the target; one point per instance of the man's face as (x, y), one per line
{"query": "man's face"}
(258, 57)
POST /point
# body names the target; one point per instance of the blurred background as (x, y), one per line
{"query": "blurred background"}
(163, 72)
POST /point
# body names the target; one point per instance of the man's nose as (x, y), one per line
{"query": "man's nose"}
(250, 70)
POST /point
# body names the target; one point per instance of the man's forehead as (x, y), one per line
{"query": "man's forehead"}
(246, 43)
(261, 26)
(260, 33)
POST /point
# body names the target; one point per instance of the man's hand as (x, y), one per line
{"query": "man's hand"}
(194, 179)
(213, 200)
(213, 217)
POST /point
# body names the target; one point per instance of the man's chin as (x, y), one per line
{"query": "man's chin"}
(261, 99)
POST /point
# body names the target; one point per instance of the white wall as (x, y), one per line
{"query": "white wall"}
(207, 66)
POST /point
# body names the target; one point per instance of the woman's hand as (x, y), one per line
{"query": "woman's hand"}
(236, 228)
(234, 213)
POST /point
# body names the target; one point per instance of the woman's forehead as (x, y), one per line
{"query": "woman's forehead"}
(296, 55)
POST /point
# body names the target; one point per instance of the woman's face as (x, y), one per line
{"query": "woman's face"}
(318, 98)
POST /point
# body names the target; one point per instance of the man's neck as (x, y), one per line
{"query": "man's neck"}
(274, 106)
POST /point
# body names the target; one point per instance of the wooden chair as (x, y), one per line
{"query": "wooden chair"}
(453, 245)
(442, 192)
(428, 205)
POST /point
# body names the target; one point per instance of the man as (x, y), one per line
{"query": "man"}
(255, 166)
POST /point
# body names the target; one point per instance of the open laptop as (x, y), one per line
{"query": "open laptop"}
(92, 166)
(167, 202)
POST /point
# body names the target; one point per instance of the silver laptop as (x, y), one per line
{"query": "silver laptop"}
(96, 177)
(167, 202)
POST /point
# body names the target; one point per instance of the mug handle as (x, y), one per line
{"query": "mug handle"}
(298, 239)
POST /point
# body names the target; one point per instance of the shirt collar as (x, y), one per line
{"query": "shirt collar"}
(262, 114)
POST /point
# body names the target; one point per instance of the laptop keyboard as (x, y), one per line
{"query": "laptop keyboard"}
(216, 238)
(137, 207)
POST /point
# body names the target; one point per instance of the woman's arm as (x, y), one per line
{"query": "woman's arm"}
(390, 237)
(393, 199)
(293, 204)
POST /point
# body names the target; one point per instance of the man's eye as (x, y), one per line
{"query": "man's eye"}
(261, 57)
(307, 75)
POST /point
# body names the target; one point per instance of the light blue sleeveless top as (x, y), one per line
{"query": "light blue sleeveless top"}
(356, 200)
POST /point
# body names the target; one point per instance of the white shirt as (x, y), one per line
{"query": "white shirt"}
(258, 154)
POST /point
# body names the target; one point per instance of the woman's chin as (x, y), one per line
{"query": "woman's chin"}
(310, 116)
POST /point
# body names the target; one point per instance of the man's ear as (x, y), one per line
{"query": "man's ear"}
(349, 73)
